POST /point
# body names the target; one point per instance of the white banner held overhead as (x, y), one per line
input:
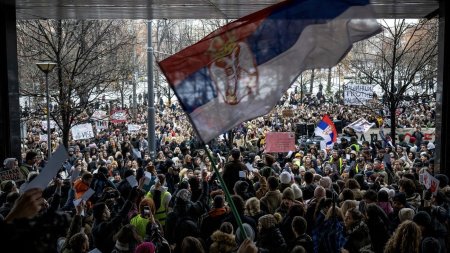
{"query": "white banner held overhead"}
(82, 131)
(133, 128)
(357, 94)
(361, 125)
(44, 124)
(99, 115)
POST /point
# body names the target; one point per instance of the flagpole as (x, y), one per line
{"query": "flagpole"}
(227, 193)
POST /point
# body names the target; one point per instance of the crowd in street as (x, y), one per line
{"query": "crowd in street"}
(357, 196)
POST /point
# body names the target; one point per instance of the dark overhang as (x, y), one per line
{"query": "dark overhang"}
(188, 9)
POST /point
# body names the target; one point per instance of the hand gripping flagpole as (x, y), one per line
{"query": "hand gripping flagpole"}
(227, 193)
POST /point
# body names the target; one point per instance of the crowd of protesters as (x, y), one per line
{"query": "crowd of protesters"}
(352, 197)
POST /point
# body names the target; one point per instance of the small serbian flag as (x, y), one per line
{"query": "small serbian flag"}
(326, 130)
(241, 70)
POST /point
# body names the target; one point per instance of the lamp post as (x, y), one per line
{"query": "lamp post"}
(47, 67)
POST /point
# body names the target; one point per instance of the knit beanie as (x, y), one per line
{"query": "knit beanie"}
(267, 221)
(285, 177)
(184, 195)
(145, 247)
(297, 191)
(248, 231)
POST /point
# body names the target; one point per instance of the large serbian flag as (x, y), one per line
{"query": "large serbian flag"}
(241, 70)
(326, 130)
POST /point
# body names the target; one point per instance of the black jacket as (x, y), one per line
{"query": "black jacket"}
(103, 231)
(272, 240)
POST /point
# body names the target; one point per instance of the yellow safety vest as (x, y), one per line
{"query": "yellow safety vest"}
(161, 213)
(340, 163)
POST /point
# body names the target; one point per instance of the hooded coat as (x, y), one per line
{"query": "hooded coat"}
(222, 242)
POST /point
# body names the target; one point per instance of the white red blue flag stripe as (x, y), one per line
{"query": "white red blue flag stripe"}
(326, 130)
(241, 70)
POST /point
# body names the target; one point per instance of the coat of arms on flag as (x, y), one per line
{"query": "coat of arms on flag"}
(326, 130)
(241, 70)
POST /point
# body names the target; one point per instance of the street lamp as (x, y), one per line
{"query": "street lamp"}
(47, 67)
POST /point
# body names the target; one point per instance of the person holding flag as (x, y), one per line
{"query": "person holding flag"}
(241, 70)
(327, 131)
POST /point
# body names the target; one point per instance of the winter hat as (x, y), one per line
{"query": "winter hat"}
(288, 193)
(248, 231)
(422, 218)
(184, 195)
(430, 146)
(267, 221)
(406, 214)
(390, 192)
(400, 197)
(325, 182)
(285, 177)
(145, 247)
(297, 191)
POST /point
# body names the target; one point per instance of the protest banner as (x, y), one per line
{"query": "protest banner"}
(431, 183)
(133, 128)
(357, 94)
(280, 142)
(118, 116)
(101, 124)
(99, 115)
(11, 174)
(429, 134)
(44, 125)
(361, 125)
(82, 131)
(50, 170)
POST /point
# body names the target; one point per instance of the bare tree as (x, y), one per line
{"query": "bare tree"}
(86, 53)
(401, 58)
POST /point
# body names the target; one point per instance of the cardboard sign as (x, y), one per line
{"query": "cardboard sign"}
(430, 182)
(357, 94)
(101, 125)
(118, 116)
(361, 125)
(133, 128)
(82, 131)
(12, 174)
(280, 142)
(50, 170)
(99, 115)
(44, 124)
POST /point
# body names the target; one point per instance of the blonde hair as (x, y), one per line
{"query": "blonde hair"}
(252, 206)
(347, 205)
(406, 239)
